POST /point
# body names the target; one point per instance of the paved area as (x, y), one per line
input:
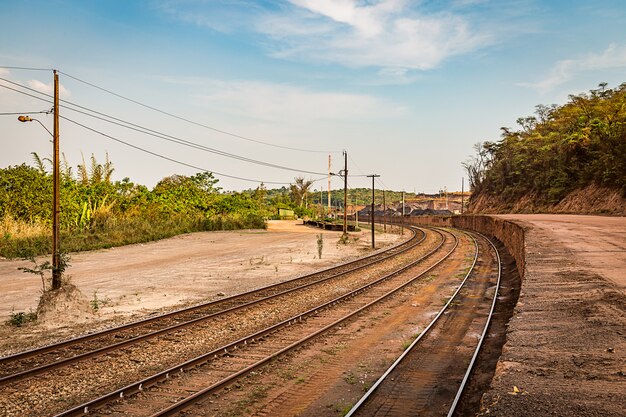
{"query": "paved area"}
(566, 345)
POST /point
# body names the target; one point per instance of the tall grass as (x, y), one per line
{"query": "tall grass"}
(22, 241)
(11, 227)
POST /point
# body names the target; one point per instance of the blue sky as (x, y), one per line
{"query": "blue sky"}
(406, 87)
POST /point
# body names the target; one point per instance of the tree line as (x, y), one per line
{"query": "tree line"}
(556, 151)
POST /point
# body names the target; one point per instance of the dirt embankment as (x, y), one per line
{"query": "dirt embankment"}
(565, 348)
(588, 200)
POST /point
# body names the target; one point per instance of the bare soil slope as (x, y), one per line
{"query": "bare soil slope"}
(589, 200)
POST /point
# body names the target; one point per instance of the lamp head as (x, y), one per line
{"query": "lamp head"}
(24, 119)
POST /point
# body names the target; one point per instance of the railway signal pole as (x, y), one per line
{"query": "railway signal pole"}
(374, 176)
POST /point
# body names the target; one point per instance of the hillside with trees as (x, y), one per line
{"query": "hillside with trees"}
(569, 158)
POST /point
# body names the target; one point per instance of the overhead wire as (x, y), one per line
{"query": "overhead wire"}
(151, 152)
(142, 129)
(224, 132)
(166, 157)
(25, 112)
(25, 68)
(155, 133)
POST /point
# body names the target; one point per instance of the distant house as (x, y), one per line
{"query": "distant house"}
(286, 214)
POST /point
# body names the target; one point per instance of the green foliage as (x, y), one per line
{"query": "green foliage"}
(38, 269)
(25, 193)
(560, 149)
(99, 213)
(20, 318)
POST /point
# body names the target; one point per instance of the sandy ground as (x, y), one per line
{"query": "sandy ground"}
(188, 268)
(565, 353)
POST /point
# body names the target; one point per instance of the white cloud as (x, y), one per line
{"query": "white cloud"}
(48, 88)
(280, 103)
(398, 35)
(563, 71)
(384, 34)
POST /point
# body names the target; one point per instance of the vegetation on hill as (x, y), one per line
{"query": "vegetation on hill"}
(556, 152)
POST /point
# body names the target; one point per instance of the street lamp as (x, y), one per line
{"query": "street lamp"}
(25, 119)
(56, 256)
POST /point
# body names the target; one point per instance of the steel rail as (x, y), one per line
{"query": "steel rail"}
(187, 402)
(394, 365)
(470, 367)
(138, 386)
(99, 351)
(47, 348)
(411, 243)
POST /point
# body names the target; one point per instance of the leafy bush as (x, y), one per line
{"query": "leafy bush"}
(21, 318)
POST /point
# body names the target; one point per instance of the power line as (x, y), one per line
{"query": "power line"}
(26, 68)
(24, 112)
(224, 132)
(155, 133)
(378, 180)
(22, 92)
(166, 157)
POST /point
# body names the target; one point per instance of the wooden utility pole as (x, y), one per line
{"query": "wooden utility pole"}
(345, 194)
(56, 257)
(374, 176)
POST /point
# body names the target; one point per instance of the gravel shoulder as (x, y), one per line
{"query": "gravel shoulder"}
(566, 344)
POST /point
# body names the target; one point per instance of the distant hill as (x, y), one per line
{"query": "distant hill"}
(569, 158)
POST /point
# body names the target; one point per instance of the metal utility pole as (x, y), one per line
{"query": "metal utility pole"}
(384, 213)
(462, 193)
(402, 226)
(374, 176)
(345, 194)
(56, 258)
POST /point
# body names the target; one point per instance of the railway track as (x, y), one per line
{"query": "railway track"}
(36, 361)
(113, 350)
(419, 381)
(189, 383)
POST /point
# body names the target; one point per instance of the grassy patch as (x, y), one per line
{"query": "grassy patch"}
(122, 231)
(20, 318)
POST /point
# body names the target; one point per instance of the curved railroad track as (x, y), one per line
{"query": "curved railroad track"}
(36, 361)
(172, 332)
(189, 383)
(419, 381)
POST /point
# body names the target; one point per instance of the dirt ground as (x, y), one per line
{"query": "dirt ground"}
(565, 353)
(138, 279)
